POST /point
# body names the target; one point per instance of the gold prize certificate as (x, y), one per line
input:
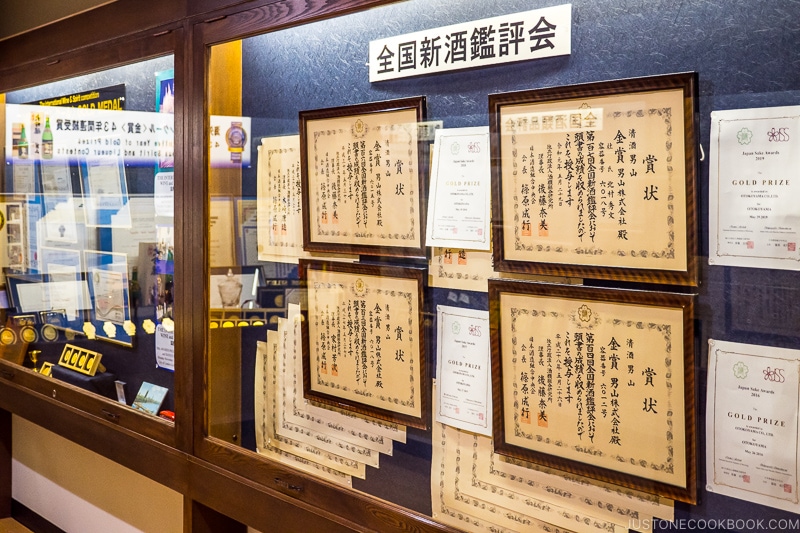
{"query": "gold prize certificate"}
(598, 382)
(753, 188)
(752, 425)
(463, 373)
(458, 203)
(596, 180)
(363, 346)
(360, 168)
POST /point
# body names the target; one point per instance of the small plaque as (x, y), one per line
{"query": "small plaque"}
(81, 360)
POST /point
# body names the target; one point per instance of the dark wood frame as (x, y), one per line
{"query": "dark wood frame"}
(687, 82)
(683, 302)
(422, 378)
(417, 103)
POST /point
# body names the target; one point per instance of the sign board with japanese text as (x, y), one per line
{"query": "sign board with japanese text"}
(598, 382)
(137, 136)
(505, 39)
(597, 180)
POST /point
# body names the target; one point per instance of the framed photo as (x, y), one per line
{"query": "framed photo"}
(377, 366)
(362, 178)
(149, 398)
(597, 180)
(598, 382)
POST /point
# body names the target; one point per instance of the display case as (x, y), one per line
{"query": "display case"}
(88, 222)
(349, 257)
(418, 266)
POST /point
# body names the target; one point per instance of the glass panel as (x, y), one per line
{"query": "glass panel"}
(258, 88)
(299, 178)
(86, 231)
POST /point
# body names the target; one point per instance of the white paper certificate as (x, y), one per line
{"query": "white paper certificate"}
(752, 423)
(104, 179)
(754, 185)
(220, 228)
(458, 214)
(463, 369)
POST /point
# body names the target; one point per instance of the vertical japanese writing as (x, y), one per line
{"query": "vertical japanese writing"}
(591, 192)
(629, 356)
(549, 371)
(622, 233)
(580, 184)
(590, 386)
(363, 168)
(559, 378)
(568, 367)
(363, 331)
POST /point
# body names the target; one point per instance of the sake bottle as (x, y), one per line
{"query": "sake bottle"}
(47, 140)
(22, 147)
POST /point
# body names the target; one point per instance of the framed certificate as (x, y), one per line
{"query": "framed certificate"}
(363, 341)
(597, 180)
(110, 313)
(361, 178)
(598, 382)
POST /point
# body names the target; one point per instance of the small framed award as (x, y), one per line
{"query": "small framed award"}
(363, 341)
(597, 180)
(362, 178)
(597, 382)
(107, 275)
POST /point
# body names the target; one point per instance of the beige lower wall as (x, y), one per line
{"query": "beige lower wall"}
(82, 492)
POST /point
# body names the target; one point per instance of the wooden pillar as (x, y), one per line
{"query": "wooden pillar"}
(224, 348)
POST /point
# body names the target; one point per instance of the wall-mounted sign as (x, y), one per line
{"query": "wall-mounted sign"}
(136, 136)
(505, 39)
(112, 98)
